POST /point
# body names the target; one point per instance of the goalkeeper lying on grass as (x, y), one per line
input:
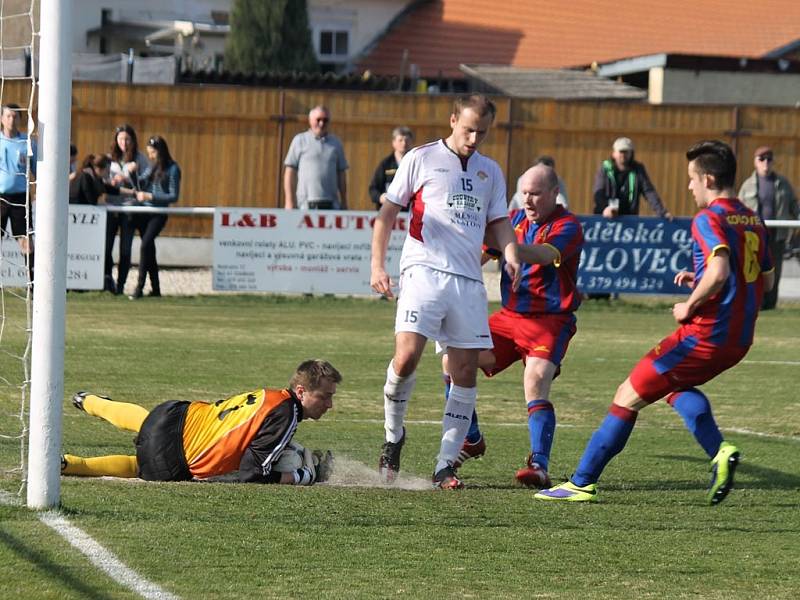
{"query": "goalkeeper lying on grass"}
(250, 432)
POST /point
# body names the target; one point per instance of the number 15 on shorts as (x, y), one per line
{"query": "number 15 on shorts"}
(411, 316)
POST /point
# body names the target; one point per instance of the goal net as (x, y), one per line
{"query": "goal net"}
(17, 189)
(33, 167)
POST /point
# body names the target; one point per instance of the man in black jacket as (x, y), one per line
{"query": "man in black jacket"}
(619, 183)
(402, 141)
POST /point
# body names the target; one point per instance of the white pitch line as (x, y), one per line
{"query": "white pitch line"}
(429, 422)
(103, 559)
(741, 430)
(793, 363)
(776, 436)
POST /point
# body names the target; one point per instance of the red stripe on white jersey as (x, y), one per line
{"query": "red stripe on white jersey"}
(417, 210)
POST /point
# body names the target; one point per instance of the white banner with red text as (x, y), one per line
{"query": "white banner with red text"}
(274, 250)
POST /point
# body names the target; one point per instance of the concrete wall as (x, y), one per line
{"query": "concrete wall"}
(724, 87)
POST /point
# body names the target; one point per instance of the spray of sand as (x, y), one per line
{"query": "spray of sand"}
(351, 473)
(346, 473)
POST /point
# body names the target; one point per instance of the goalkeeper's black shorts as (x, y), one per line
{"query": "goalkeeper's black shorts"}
(159, 445)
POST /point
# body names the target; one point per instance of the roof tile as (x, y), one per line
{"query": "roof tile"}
(441, 34)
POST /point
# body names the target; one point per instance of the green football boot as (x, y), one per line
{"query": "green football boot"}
(723, 467)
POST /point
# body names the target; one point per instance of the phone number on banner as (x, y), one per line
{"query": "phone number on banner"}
(620, 284)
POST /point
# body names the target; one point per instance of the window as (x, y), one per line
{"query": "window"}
(333, 44)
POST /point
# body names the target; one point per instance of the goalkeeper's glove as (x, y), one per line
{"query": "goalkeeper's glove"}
(323, 461)
(307, 474)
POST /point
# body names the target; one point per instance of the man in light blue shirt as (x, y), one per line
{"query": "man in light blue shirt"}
(315, 176)
(13, 178)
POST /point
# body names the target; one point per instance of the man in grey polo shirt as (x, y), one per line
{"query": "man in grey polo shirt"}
(315, 177)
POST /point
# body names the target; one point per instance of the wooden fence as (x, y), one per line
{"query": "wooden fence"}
(230, 141)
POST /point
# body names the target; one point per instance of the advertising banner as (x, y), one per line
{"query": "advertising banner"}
(634, 255)
(274, 250)
(85, 251)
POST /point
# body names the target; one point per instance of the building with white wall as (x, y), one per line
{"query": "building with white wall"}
(196, 30)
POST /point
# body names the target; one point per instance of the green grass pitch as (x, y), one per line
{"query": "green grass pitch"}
(650, 536)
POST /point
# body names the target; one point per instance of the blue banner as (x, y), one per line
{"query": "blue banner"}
(634, 255)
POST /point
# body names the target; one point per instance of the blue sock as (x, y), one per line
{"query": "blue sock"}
(541, 428)
(608, 441)
(474, 433)
(693, 406)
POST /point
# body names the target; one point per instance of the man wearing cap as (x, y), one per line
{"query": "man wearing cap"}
(772, 197)
(619, 183)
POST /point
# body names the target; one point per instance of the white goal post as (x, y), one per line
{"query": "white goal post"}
(49, 301)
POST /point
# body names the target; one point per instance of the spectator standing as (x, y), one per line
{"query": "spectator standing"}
(315, 174)
(402, 141)
(13, 179)
(127, 164)
(127, 161)
(518, 200)
(619, 183)
(160, 186)
(771, 196)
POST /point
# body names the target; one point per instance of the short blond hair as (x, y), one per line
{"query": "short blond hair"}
(311, 373)
(477, 102)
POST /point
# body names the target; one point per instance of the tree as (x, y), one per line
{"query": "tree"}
(271, 35)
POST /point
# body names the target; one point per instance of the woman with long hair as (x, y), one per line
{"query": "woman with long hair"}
(160, 185)
(127, 163)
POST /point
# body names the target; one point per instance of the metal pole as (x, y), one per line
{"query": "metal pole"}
(509, 145)
(49, 303)
(281, 130)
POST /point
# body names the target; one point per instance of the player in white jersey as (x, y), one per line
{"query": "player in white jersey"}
(457, 197)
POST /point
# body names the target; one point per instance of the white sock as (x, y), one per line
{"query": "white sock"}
(455, 423)
(396, 393)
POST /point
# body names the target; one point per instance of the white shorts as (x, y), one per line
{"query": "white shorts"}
(450, 309)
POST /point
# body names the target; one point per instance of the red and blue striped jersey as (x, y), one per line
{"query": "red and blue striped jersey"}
(729, 316)
(546, 288)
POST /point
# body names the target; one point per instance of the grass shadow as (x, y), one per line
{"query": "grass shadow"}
(766, 477)
(53, 570)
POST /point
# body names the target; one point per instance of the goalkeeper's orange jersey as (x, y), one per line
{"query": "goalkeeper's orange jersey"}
(216, 436)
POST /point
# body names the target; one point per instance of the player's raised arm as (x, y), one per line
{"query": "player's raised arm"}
(538, 254)
(379, 279)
